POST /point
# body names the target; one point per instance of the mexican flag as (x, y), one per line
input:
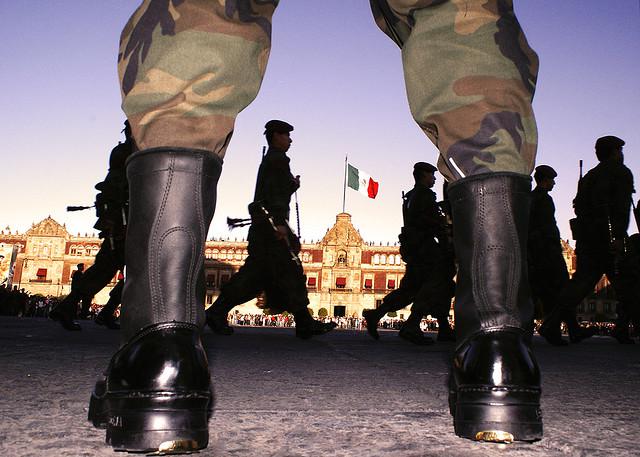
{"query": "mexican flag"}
(361, 181)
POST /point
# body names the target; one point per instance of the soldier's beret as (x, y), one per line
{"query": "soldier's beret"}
(608, 142)
(424, 167)
(277, 126)
(545, 171)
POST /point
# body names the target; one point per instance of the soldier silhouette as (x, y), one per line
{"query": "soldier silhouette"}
(187, 69)
(428, 279)
(602, 206)
(273, 266)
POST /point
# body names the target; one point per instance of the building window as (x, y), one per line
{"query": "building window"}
(224, 279)
(211, 281)
(592, 306)
(376, 259)
(73, 250)
(391, 284)
(311, 281)
(339, 311)
(214, 254)
(378, 303)
(342, 258)
(607, 307)
(341, 282)
(398, 259)
(305, 257)
(383, 259)
(41, 274)
(368, 283)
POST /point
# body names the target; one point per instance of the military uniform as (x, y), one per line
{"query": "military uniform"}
(188, 67)
(428, 279)
(273, 266)
(602, 206)
(111, 210)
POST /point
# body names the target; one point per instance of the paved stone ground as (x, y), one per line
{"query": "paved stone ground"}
(341, 394)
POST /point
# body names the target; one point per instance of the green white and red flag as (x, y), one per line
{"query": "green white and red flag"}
(361, 181)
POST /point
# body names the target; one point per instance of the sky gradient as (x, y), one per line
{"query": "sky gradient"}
(332, 74)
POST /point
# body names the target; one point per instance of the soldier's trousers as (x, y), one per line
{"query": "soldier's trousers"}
(429, 287)
(548, 276)
(107, 263)
(269, 268)
(624, 275)
(188, 67)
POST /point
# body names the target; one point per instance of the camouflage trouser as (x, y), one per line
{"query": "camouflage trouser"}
(188, 67)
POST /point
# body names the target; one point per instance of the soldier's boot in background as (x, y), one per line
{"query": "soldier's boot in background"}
(577, 333)
(106, 317)
(65, 312)
(156, 393)
(217, 316)
(372, 317)
(621, 332)
(307, 326)
(410, 330)
(550, 329)
(494, 380)
(85, 309)
(445, 332)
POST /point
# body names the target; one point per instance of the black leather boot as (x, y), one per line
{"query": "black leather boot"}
(156, 393)
(445, 332)
(495, 380)
(217, 317)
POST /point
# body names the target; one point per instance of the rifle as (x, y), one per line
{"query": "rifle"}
(260, 214)
(574, 223)
(79, 208)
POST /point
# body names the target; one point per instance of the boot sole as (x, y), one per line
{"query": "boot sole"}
(163, 424)
(498, 415)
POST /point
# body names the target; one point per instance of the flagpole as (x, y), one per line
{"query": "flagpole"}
(344, 187)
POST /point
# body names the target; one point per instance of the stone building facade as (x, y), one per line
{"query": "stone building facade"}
(345, 274)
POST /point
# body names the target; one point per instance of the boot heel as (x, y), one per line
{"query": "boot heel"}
(500, 415)
(163, 429)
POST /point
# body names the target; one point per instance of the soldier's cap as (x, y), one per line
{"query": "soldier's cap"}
(424, 167)
(80, 265)
(545, 171)
(278, 126)
(609, 142)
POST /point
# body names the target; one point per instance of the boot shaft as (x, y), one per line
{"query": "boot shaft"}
(490, 223)
(172, 201)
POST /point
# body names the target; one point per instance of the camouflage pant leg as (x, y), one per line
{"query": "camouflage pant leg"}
(188, 67)
(470, 77)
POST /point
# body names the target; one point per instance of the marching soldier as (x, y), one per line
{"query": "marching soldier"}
(428, 279)
(273, 265)
(111, 210)
(548, 273)
(602, 206)
(182, 108)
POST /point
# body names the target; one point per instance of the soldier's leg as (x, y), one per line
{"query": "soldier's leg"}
(186, 68)
(397, 299)
(287, 288)
(589, 270)
(106, 316)
(66, 311)
(624, 279)
(470, 78)
(243, 286)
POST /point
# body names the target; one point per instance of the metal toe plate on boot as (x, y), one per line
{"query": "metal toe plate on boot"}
(494, 436)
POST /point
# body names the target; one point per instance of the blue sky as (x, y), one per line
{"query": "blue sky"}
(332, 74)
